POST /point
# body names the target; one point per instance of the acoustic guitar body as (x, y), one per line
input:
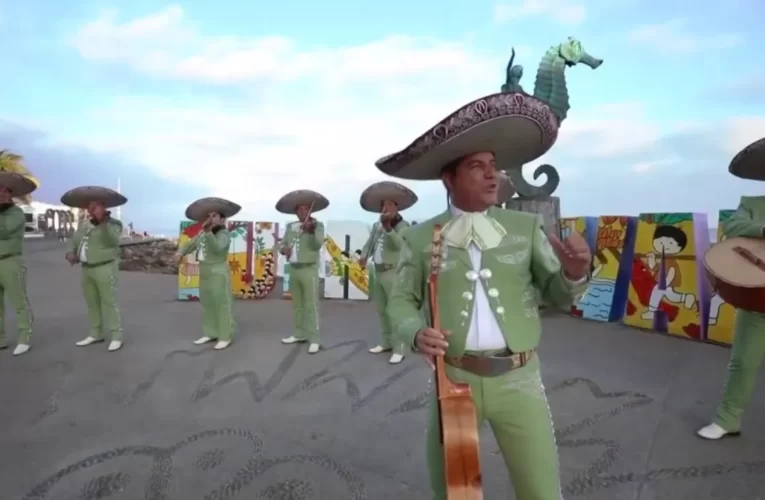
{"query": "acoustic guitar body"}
(736, 269)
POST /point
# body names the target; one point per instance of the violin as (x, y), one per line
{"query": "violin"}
(308, 225)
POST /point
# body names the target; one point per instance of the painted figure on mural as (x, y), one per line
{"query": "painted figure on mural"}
(13, 271)
(384, 246)
(210, 248)
(302, 244)
(96, 247)
(748, 351)
(668, 241)
(493, 261)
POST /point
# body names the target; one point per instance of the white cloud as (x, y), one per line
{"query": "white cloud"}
(562, 11)
(648, 166)
(673, 37)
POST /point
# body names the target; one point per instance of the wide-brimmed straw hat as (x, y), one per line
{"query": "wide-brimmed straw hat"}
(517, 128)
(17, 184)
(749, 163)
(373, 197)
(200, 209)
(293, 199)
(81, 197)
(506, 188)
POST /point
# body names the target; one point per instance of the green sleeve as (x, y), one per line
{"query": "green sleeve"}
(547, 273)
(742, 224)
(217, 242)
(190, 245)
(318, 236)
(110, 232)
(16, 224)
(285, 241)
(368, 245)
(394, 236)
(74, 243)
(405, 304)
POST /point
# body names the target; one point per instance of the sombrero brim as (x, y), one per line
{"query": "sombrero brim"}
(290, 201)
(517, 128)
(199, 210)
(373, 197)
(749, 163)
(17, 184)
(81, 197)
(506, 188)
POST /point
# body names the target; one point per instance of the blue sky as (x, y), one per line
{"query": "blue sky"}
(249, 100)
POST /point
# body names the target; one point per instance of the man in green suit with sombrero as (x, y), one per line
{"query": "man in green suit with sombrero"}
(748, 350)
(383, 246)
(492, 262)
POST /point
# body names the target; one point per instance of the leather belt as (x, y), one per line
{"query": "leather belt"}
(381, 268)
(492, 364)
(97, 264)
(9, 255)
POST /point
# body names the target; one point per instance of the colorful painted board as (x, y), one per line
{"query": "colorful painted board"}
(587, 227)
(721, 315)
(337, 257)
(252, 258)
(606, 297)
(669, 291)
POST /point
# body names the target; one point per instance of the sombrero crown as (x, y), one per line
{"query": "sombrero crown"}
(749, 163)
(200, 209)
(16, 177)
(373, 197)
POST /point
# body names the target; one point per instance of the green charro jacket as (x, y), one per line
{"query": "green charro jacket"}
(391, 242)
(214, 245)
(749, 219)
(13, 223)
(102, 241)
(523, 260)
(308, 246)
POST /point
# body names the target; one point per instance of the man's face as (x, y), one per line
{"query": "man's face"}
(475, 182)
(215, 218)
(96, 210)
(5, 195)
(389, 208)
(302, 211)
(666, 245)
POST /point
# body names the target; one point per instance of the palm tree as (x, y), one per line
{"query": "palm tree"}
(11, 162)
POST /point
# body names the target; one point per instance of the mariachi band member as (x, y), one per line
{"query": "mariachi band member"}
(96, 247)
(301, 245)
(211, 246)
(384, 245)
(13, 271)
(748, 351)
(492, 261)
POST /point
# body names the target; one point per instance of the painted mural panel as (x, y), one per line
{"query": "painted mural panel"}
(342, 248)
(587, 227)
(721, 314)
(668, 290)
(606, 297)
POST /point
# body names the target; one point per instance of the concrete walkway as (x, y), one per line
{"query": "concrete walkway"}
(163, 419)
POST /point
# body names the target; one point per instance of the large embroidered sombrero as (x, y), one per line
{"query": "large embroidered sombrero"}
(749, 163)
(82, 196)
(518, 128)
(373, 197)
(199, 210)
(506, 188)
(292, 200)
(17, 184)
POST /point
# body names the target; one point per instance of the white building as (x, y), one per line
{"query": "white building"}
(45, 217)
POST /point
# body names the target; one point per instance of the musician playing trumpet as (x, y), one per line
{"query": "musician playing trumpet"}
(748, 349)
(492, 261)
(211, 246)
(384, 245)
(301, 246)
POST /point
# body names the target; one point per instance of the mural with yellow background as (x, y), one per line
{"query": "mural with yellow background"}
(587, 227)
(721, 314)
(668, 289)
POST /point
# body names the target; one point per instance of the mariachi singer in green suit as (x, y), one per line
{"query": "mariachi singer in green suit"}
(748, 350)
(211, 247)
(301, 246)
(96, 247)
(492, 262)
(383, 246)
(13, 271)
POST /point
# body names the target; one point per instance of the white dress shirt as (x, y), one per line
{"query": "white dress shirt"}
(295, 247)
(84, 249)
(378, 255)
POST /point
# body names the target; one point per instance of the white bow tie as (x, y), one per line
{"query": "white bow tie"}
(477, 228)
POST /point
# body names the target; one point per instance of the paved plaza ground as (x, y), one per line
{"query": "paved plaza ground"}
(163, 419)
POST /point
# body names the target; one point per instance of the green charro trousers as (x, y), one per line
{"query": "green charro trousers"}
(746, 357)
(215, 296)
(304, 288)
(13, 284)
(381, 287)
(515, 405)
(99, 285)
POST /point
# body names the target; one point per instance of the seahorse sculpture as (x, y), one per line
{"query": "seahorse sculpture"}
(550, 85)
(513, 77)
(527, 190)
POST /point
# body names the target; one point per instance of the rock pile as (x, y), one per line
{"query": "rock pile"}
(156, 257)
